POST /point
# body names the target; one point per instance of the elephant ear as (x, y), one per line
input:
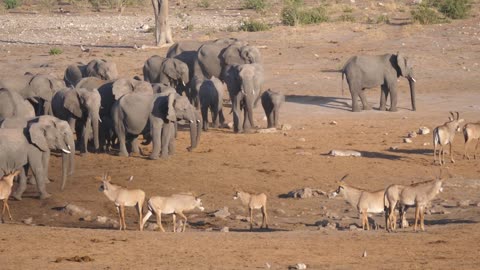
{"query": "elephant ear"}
(402, 63)
(169, 68)
(250, 54)
(171, 115)
(72, 103)
(141, 87)
(38, 136)
(122, 87)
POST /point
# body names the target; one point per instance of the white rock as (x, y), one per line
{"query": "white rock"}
(364, 253)
(301, 140)
(266, 130)
(407, 140)
(345, 153)
(333, 123)
(286, 127)
(393, 148)
(230, 125)
(225, 229)
(76, 210)
(412, 134)
(102, 219)
(426, 143)
(423, 131)
(28, 221)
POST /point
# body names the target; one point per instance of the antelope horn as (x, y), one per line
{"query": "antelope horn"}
(453, 116)
(203, 194)
(343, 178)
(458, 115)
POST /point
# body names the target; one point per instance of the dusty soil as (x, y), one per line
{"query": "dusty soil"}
(446, 60)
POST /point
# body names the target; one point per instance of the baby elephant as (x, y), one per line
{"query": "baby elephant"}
(211, 97)
(271, 102)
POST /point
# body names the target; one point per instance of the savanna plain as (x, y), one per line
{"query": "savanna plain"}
(446, 61)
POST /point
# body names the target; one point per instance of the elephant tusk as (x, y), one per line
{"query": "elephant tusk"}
(191, 121)
(413, 79)
(68, 147)
(201, 208)
(198, 120)
(183, 83)
(99, 120)
(66, 151)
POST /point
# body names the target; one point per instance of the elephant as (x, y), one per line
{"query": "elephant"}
(211, 97)
(28, 147)
(68, 159)
(186, 51)
(13, 105)
(102, 69)
(363, 72)
(153, 115)
(38, 89)
(82, 105)
(169, 71)
(271, 103)
(244, 84)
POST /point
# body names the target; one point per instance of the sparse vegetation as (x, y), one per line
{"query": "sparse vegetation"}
(382, 19)
(295, 13)
(347, 18)
(257, 5)
(424, 14)
(55, 51)
(189, 27)
(10, 4)
(254, 26)
(204, 4)
(347, 9)
(455, 9)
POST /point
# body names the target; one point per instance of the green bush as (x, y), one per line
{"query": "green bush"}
(347, 10)
(455, 9)
(347, 18)
(204, 4)
(257, 5)
(55, 51)
(10, 4)
(254, 26)
(424, 14)
(295, 14)
(383, 19)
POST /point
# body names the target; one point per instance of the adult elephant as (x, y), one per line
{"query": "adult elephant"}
(186, 51)
(82, 105)
(244, 83)
(363, 72)
(27, 147)
(38, 89)
(169, 71)
(99, 68)
(46, 121)
(13, 105)
(155, 115)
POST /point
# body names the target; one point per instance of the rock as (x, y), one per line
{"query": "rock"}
(28, 221)
(326, 224)
(75, 210)
(364, 253)
(301, 140)
(393, 148)
(426, 143)
(407, 140)
(423, 131)
(225, 229)
(333, 123)
(266, 130)
(304, 193)
(151, 226)
(286, 127)
(412, 134)
(464, 203)
(230, 125)
(87, 218)
(353, 227)
(345, 153)
(300, 266)
(222, 213)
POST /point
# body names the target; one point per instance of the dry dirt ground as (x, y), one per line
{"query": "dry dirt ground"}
(446, 60)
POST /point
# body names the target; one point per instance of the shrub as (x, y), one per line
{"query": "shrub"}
(347, 10)
(455, 9)
(383, 19)
(257, 5)
(55, 51)
(10, 4)
(425, 15)
(294, 14)
(204, 4)
(254, 26)
(347, 18)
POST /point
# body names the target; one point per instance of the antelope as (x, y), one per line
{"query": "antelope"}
(256, 201)
(175, 204)
(471, 131)
(6, 183)
(122, 197)
(418, 195)
(443, 135)
(365, 201)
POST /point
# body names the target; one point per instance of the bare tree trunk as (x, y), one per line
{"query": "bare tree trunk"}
(163, 33)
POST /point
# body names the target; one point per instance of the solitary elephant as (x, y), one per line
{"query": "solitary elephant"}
(13, 105)
(28, 147)
(67, 135)
(102, 69)
(38, 89)
(271, 103)
(365, 72)
(244, 84)
(153, 115)
(80, 105)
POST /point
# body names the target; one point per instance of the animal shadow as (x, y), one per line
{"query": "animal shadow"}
(256, 230)
(338, 103)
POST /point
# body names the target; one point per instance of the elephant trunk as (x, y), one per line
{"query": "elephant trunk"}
(195, 131)
(65, 165)
(71, 163)
(249, 105)
(95, 126)
(411, 82)
(47, 108)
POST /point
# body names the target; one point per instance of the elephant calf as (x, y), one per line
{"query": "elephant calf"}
(211, 97)
(271, 102)
(99, 68)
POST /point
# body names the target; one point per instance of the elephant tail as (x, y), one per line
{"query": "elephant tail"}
(343, 75)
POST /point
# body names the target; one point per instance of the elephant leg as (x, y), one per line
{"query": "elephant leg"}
(46, 161)
(270, 118)
(393, 99)
(122, 143)
(39, 173)
(354, 94)
(383, 97)
(166, 136)
(205, 117)
(135, 147)
(364, 100)
(276, 117)
(221, 117)
(247, 124)
(214, 116)
(22, 185)
(156, 131)
(237, 117)
(171, 144)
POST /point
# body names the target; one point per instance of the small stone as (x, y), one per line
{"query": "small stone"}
(426, 143)
(407, 140)
(333, 123)
(225, 229)
(412, 134)
(464, 203)
(423, 131)
(87, 218)
(300, 266)
(28, 221)
(230, 125)
(286, 127)
(364, 253)
(102, 219)
(222, 213)
(75, 210)
(393, 148)
(301, 140)
(266, 130)
(344, 153)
